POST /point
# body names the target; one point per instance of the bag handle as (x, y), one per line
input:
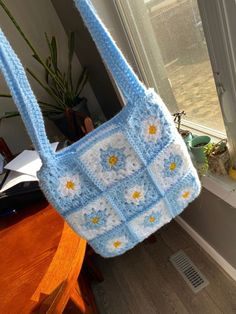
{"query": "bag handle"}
(127, 80)
(24, 98)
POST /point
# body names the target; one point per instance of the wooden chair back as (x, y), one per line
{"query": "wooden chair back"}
(5, 151)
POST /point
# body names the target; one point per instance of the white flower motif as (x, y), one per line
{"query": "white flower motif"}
(151, 129)
(69, 185)
(135, 195)
(117, 243)
(185, 195)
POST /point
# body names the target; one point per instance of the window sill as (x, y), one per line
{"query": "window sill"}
(198, 129)
(222, 186)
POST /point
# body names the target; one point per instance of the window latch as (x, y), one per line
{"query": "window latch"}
(220, 89)
(219, 86)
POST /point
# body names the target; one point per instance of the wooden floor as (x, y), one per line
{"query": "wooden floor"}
(143, 280)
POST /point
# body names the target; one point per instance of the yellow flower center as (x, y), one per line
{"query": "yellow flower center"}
(95, 220)
(173, 166)
(112, 160)
(70, 185)
(152, 129)
(186, 194)
(117, 244)
(136, 195)
(152, 219)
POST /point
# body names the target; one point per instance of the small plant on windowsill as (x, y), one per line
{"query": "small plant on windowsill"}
(67, 109)
(186, 135)
(203, 166)
(218, 158)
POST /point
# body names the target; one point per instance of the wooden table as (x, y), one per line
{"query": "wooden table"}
(40, 260)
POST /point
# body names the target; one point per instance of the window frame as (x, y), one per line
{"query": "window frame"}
(218, 18)
(218, 24)
(150, 67)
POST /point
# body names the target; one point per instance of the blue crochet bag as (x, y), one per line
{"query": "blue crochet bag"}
(127, 178)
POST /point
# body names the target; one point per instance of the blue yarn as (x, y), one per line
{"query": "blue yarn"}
(127, 178)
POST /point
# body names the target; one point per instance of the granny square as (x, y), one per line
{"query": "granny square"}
(135, 194)
(114, 242)
(96, 218)
(67, 185)
(150, 220)
(110, 160)
(170, 165)
(148, 129)
(182, 193)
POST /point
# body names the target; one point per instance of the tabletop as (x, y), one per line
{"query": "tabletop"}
(38, 252)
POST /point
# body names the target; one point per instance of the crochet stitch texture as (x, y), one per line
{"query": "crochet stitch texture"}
(127, 178)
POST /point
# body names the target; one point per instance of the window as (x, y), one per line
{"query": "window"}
(173, 57)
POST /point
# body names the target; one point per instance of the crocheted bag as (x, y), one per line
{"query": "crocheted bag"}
(124, 180)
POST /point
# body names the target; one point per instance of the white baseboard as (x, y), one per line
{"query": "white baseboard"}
(229, 269)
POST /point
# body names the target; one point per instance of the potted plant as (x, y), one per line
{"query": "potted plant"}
(218, 157)
(186, 135)
(198, 146)
(67, 109)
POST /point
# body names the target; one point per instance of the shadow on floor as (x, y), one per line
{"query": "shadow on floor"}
(144, 281)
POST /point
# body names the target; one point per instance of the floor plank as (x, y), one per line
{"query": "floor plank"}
(159, 293)
(109, 295)
(144, 281)
(195, 303)
(222, 289)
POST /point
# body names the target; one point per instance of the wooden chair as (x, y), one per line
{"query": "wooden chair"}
(42, 259)
(4, 149)
(60, 284)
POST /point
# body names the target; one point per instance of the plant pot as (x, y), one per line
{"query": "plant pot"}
(197, 146)
(219, 163)
(70, 122)
(187, 137)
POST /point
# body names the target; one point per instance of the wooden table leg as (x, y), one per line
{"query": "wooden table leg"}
(79, 301)
(93, 270)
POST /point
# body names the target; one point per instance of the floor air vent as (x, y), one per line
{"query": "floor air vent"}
(190, 273)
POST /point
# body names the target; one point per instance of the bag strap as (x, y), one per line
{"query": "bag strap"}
(24, 98)
(127, 80)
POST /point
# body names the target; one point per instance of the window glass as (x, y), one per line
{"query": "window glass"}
(179, 35)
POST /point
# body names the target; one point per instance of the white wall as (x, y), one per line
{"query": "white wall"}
(35, 18)
(107, 12)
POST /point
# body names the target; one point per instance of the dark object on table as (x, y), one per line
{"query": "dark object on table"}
(19, 196)
(22, 194)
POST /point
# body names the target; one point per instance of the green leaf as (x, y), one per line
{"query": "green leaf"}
(9, 114)
(49, 107)
(71, 46)
(47, 89)
(54, 52)
(5, 95)
(81, 81)
(48, 41)
(52, 45)
(36, 57)
(71, 49)
(48, 63)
